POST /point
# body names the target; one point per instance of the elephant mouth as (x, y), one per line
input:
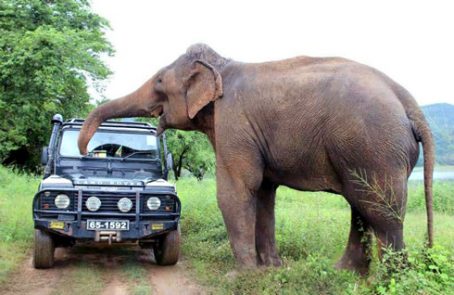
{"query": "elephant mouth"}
(157, 111)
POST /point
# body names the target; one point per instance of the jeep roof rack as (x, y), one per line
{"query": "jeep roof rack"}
(110, 123)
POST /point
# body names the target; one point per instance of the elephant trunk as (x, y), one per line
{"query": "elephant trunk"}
(140, 103)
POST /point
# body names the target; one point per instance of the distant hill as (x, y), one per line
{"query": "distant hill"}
(441, 120)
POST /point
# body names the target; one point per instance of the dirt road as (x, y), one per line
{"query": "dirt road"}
(102, 270)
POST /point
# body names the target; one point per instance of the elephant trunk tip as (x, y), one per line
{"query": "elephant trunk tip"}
(87, 131)
(82, 149)
(82, 144)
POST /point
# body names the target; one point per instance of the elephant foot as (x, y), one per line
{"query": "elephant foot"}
(354, 263)
(246, 262)
(268, 260)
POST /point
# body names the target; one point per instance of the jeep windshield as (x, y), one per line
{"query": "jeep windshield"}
(117, 144)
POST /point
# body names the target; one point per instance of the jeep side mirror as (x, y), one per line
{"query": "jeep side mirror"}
(44, 155)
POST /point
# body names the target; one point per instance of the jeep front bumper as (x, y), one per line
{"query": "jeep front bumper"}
(144, 230)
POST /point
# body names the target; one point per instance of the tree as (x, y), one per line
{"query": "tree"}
(192, 151)
(50, 53)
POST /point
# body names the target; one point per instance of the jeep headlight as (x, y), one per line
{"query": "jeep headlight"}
(153, 203)
(62, 201)
(93, 203)
(124, 205)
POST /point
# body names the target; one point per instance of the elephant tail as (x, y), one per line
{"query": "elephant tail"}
(423, 130)
(424, 135)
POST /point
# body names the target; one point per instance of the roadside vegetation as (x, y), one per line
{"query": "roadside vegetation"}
(50, 55)
(16, 223)
(312, 229)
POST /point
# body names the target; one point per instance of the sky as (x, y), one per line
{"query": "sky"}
(410, 41)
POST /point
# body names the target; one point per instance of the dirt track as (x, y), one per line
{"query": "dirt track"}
(94, 270)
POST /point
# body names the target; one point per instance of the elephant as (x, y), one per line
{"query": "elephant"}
(309, 123)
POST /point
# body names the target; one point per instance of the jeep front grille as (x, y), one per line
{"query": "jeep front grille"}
(109, 201)
(109, 205)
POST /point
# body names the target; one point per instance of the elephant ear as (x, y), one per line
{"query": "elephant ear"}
(204, 86)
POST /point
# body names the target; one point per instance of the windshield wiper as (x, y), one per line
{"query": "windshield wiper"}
(137, 153)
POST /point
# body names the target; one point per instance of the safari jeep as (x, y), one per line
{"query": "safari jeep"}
(117, 193)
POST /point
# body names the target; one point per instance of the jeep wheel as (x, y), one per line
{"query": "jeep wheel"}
(43, 254)
(167, 250)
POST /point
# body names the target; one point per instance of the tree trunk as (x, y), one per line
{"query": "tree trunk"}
(180, 164)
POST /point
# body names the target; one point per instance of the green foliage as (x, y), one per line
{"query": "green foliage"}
(421, 271)
(443, 196)
(311, 232)
(49, 53)
(16, 224)
(192, 151)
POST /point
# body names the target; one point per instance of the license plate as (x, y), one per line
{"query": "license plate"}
(107, 224)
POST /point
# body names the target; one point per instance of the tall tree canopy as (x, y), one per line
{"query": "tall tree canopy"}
(50, 53)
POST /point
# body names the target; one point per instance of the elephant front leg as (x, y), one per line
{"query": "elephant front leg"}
(265, 226)
(237, 201)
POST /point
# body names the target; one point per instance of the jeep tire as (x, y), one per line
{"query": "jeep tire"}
(43, 254)
(167, 249)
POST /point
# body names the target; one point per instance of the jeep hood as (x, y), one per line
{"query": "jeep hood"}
(55, 181)
(111, 181)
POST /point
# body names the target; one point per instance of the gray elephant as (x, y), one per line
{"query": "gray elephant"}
(312, 124)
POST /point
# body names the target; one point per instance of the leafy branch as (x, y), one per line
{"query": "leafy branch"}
(386, 202)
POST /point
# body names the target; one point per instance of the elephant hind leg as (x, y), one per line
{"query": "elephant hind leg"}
(392, 239)
(357, 255)
(265, 240)
(389, 235)
(381, 202)
(386, 212)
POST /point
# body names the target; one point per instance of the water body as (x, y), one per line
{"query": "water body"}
(439, 174)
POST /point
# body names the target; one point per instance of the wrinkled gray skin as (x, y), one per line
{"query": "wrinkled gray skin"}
(313, 124)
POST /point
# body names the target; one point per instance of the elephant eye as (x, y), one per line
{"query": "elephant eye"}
(159, 87)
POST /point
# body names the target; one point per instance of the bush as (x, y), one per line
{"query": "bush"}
(417, 271)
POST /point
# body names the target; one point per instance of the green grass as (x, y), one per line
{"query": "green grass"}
(312, 231)
(443, 192)
(92, 269)
(137, 277)
(16, 223)
(83, 278)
